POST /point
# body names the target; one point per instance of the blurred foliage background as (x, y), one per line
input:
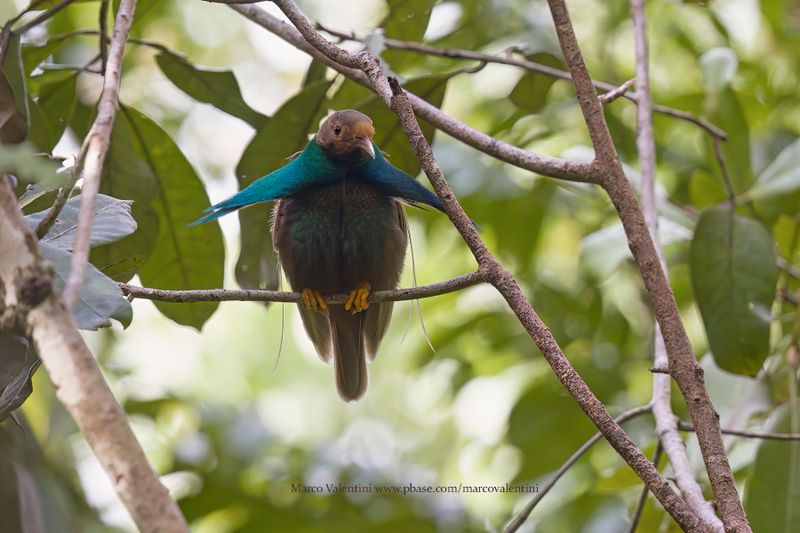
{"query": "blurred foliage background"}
(229, 400)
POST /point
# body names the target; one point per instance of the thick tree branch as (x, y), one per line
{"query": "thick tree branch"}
(541, 164)
(391, 93)
(666, 422)
(96, 146)
(250, 295)
(682, 362)
(531, 66)
(26, 285)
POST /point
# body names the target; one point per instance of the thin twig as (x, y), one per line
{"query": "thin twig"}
(637, 514)
(52, 215)
(532, 66)
(252, 295)
(96, 146)
(523, 515)
(723, 168)
(610, 96)
(102, 21)
(683, 364)
(42, 17)
(687, 426)
(398, 101)
(666, 421)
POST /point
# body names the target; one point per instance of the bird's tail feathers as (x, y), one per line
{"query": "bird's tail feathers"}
(349, 357)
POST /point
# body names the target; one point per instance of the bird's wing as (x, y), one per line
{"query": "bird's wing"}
(394, 181)
(309, 167)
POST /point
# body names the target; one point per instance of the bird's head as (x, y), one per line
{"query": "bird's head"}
(347, 134)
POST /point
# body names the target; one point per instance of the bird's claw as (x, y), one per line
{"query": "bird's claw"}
(314, 301)
(359, 298)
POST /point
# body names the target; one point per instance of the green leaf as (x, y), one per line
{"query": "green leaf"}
(112, 221)
(101, 298)
(286, 133)
(538, 416)
(183, 257)
(127, 175)
(55, 99)
(216, 87)
(718, 66)
(13, 96)
(530, 92)
(725, 111)
(18, 362)
(733, 273)
(407, 20)
(389, 133)
(772, 500)
(781, 177)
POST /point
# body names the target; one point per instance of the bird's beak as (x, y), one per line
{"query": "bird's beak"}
(365, 144)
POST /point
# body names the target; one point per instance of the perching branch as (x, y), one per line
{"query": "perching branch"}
(531, 66)
(26, 287)
(666, 422)
(393, 96)
(251, 295)
(683, 365)
(96, 146)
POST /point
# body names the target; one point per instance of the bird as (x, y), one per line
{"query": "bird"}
(339, 227)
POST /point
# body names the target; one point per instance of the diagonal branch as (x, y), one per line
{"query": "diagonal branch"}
(682, 362)
(392, 95)
(252, 295)
(26, 289)
(666, 421)
(95, 147)
(547, 166)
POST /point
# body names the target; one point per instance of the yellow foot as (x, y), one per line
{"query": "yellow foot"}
(359, 298)
(314, 301)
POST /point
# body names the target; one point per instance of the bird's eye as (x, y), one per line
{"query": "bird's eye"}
(337, 130)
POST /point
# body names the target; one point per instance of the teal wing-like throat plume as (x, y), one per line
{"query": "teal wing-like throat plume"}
(339, 227)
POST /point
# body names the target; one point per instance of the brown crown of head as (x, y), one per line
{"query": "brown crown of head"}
(347, 134)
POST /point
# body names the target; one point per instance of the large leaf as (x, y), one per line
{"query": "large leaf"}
(101, 298)
(112, 221)
(389, 133)
(18, 362)
(733, 273)
(13, 95)
(53, 101)
(216, 87)
(772, 500)
(183, 257)
(127, 175)
(286, 133)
